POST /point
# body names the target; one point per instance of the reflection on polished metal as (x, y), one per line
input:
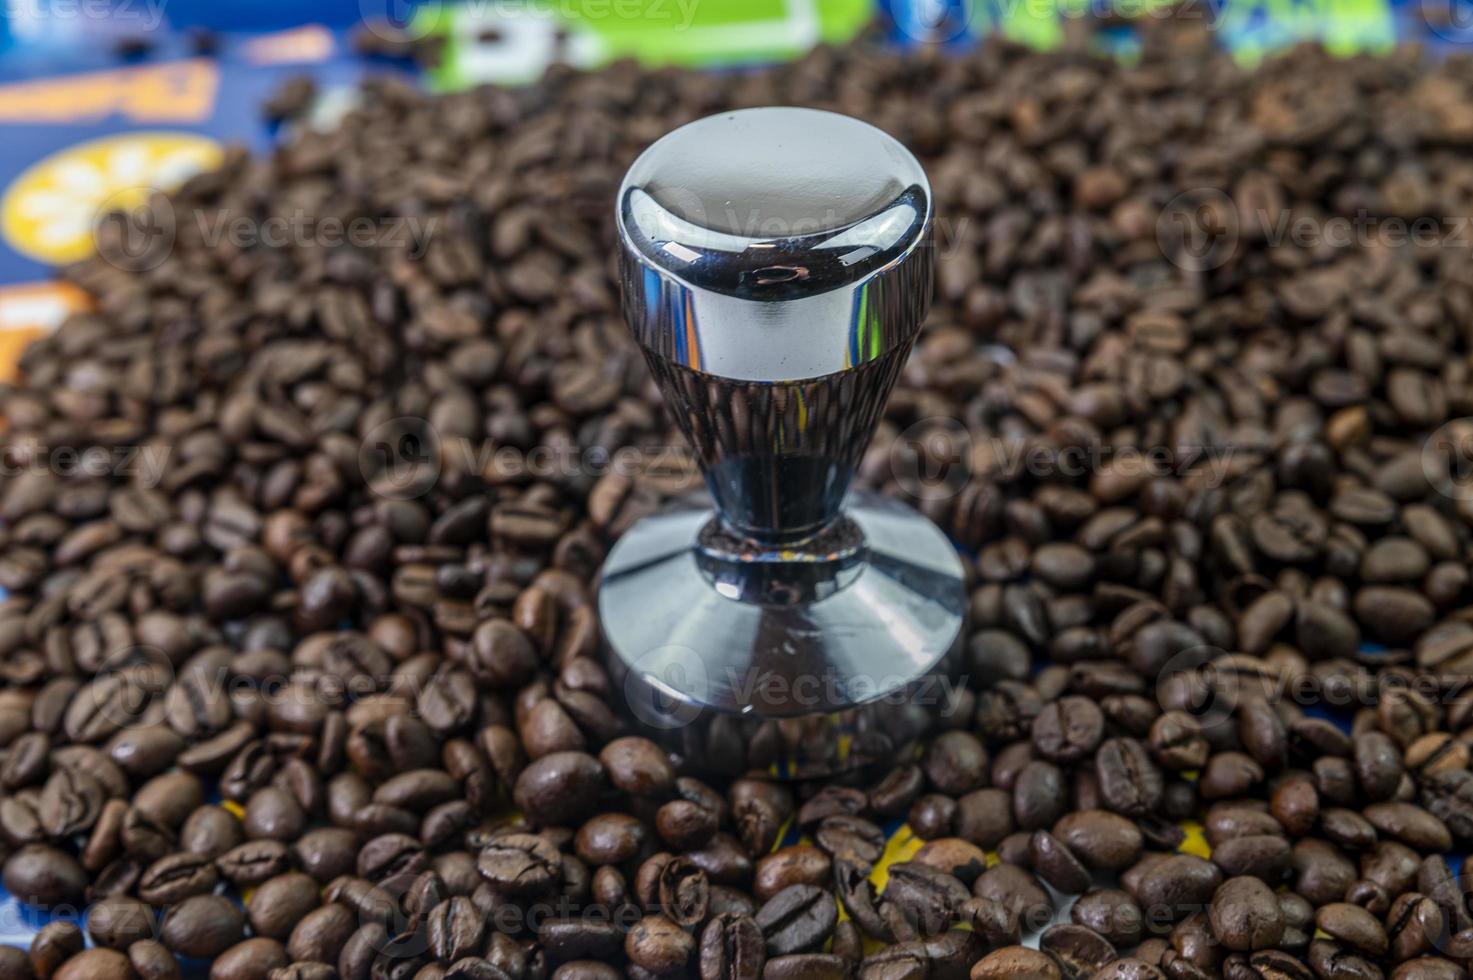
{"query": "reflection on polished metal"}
(777, 264)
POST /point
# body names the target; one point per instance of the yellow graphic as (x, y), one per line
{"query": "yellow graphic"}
(49, 213)
(177, 92)
(300, 45)
(12, 343)
(32, 310)
(1195, 841)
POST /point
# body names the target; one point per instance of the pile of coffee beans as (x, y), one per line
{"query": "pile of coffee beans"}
(287, 518)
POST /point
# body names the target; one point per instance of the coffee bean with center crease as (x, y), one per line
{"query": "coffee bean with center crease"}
(1068, 730)
(455, 929)
(928, 897)
(1245, 915)
(520, 864)
(175, 877)
(254, 862)
(797, 919)
(1129, 781)
(732, 948)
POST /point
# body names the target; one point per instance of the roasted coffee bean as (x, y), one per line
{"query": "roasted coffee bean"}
(959, 858)
(797, 919)
(1353, 926)
(1016, 961)
(278, 904)
(927, 897)
(955, 763)
(560, 788)
(250, 959)
(254, 862)
(1057, 865)
(794, 865)
(850, 838)
(732, 948)
(1068, 730)
(638, 767)
(659, 945)
(118, 922)
(455, 929)
(44, 876)
(1078, 951)
(1171, 887)
(806, 966)
(320, 935)
(370, 647)
(1018, 892)
(96, 964)
(579, 938)
(13, 963)
(1039, 795)
(175, 877)
(1110, 912)
(684, 892)
(1130, 783)
(54, 944)
(202, 926)
(327, 852)
(520, 864)
(1245, 915)
(209, 832)
(1103, 840)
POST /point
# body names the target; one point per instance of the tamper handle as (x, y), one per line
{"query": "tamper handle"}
(776, 268)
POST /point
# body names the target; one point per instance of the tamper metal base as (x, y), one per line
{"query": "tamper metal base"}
(800, 662)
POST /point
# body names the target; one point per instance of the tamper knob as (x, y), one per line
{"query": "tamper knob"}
(776, 268)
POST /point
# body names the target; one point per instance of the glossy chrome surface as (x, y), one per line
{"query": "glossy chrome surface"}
(777, 265)
(841, 623)
(775, 245)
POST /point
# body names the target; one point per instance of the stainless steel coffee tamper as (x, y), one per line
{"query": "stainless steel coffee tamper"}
(777, 264)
